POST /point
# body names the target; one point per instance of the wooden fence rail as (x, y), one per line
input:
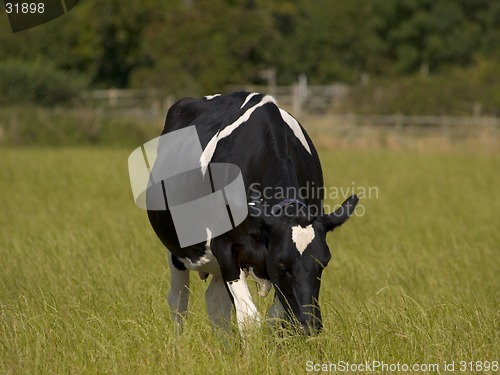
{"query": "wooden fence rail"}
(403, 121)
(151, 99)
(304, 102)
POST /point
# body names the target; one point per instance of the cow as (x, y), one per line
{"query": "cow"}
(282, 241)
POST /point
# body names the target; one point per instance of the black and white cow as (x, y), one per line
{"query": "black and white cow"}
(282, 242)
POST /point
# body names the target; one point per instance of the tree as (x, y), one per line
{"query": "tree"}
(430, 34)
(199, 46)
(115, 31)
(202, 46)
(328, 41)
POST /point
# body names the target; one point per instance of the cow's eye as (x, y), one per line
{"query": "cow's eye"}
(281, 266)
(284, 269)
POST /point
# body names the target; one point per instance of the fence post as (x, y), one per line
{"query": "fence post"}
(113, 97)
(299, 95)
(296, 105)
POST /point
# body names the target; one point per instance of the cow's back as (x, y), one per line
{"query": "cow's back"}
(250, 131)
(264, 141)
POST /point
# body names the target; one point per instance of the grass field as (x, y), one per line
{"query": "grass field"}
(83, 280)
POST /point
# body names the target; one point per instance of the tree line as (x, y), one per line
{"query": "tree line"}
(200, 46)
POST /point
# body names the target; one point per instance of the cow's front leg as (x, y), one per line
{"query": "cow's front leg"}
(276, 312)
(246, 312)
(235, 278)
(178, 295)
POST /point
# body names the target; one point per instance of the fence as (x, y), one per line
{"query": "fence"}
(402, 121)
(299, 98)
(151, 100)
(405, 132)
(309, 104)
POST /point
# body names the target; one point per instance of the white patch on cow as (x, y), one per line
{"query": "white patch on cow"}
(204, 275)
(302, 237)
(246, 312)
(209, 150)
(263, 285)
(210, 97)
(209, 239)
(296, 129)
(206, 263)
(248, 98)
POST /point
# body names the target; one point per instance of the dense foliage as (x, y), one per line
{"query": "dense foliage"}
(198, 46)
(37, 82)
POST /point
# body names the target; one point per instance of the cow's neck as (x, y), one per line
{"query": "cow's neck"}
(279, 182)
(285, 203)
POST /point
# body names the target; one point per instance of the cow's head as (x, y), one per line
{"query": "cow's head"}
(297, 255)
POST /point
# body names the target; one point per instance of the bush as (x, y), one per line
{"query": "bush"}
(37, 82)
(32, 125)
(459, 92)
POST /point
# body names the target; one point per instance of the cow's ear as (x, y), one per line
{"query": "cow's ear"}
(341, 214)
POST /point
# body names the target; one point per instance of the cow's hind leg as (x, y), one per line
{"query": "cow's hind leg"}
(178, 295)
(219, 305)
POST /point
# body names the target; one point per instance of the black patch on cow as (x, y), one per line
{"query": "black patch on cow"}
(178, 264)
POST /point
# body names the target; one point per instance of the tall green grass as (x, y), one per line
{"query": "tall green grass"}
(83, 278)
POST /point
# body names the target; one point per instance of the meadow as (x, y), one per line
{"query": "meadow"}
(414, 278)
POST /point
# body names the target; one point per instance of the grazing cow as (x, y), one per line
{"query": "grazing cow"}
(282, 242)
